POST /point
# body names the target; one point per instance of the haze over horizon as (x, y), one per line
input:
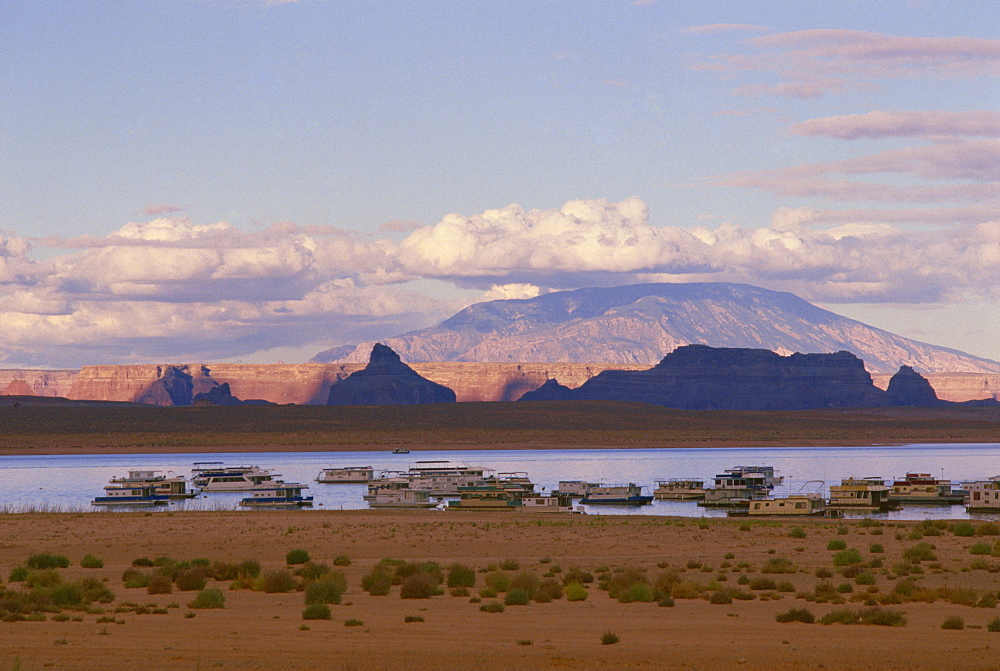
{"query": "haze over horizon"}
(259, 180)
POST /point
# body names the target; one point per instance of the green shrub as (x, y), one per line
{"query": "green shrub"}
(841, 616)
(797, 532)
(18, 573)
(90, 561)
(761, 583)
(295, 557)
(778, 565)
(548, 590)
(918, 553)
(317, 611)
(159, 584)
(577, 575)
(720, 597)
(341, 560)
(876, 548)
(842, 530)
(796, 615)
(847, 557)
(993, 625)
(609, 638)
(492, 607)
(277, 582)
(208, 598)
(312, 571)
(836, 544)
(576, 592)
(981, 548)
(964, 529)
(47, 561)
(510, 565)
(637, 591)
(142, 561)
(136, 578)
(191, 580)
(460, 575)
(988, 529)
(497, 581)
(46, 578)
(413, 618)
(865, 578)
(327, 589)
(419, 586)
(378, 581)
(516, 597)
(354, 623)
(525, 580)
(954, 621)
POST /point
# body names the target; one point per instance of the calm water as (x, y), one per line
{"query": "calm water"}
(70, 482)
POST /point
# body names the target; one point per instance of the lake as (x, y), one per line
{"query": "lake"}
(70, 482)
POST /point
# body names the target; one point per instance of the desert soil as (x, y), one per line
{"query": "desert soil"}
(258, 630)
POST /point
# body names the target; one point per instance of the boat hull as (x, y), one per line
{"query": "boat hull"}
(627, 501)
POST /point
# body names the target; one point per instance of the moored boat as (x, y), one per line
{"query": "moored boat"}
(277, 494)
(120, 494)
(794, 505)
(922, 488)
(679, 489)
(869, 494)
(173, 486)
(736, 488)
(444, 478)
(983, 494)
(628, 494)
(217, 477)
(345, 475)
(399, 497)
(575, 488)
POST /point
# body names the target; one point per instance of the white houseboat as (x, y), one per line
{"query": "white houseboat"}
(736, 488)
(346, 475)
(628, 494)
(277, 495)
(120, 494)
(795, 505)
(173, 486)
(871, 494)
(400, 497)
(216, 477)
(549, 503)
(576, 488)
(983, 494)
(444, 478)
(679, 489)
(922, 488)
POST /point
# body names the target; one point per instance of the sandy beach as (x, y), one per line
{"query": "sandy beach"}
(258, 630)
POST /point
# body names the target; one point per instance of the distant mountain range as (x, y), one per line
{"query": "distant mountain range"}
(641, 323)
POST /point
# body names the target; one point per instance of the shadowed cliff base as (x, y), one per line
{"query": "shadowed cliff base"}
(67, 428)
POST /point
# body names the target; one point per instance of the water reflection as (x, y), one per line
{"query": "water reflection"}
(70, 482)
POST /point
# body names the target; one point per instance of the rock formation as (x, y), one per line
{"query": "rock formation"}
(908, 387)
(42, 382)
(18, 388)
(639, 324)
(697, 377)
(386, 380)
(550, 391)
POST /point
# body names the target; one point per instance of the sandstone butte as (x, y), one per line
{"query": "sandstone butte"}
(309, 383)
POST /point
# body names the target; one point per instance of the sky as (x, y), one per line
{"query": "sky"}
(256, 181)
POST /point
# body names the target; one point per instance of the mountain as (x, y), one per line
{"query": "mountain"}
(387, 381)
(641, 323)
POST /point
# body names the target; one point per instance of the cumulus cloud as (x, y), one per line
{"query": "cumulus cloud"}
(169, 289)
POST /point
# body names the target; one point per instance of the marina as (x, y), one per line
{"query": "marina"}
(71, 482)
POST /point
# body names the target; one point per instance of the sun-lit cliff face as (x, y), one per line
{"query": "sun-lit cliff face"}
(640, 324)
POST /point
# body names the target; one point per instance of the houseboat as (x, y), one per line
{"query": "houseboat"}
(736, 488)
(487, 497)
(575, 488)
(444, 478)
(121, 494)
(629, 494)
(277, 494)
(679, 489)
(400, 497)
(346, 475)
(549, 503)
(173, 486)
(216, 477)
(401, 450)
(871, 494)
(795, 505)
(922, 488)
(770, 476)
(983, 494)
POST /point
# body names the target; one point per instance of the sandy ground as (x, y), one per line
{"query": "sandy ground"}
(257, 630)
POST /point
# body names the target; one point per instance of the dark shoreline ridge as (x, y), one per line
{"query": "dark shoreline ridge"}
(699, 377)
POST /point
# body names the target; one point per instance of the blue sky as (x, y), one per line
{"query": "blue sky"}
(257, 181)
